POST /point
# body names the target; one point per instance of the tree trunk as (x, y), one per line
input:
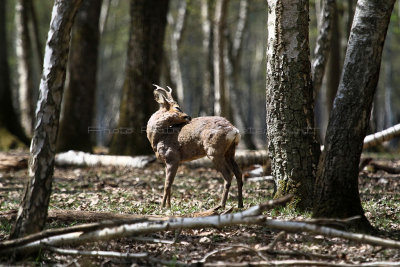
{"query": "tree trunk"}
(334, 66)
(10, 129)
(207, 100)
(323, 44)
(78, 104)
(33, 209)
(178, 26)
(388, 81)
(143, 68)
(24, 61)
(334, 63)
(234, 59)
(291, 136)
(336, 190)
(221, 107)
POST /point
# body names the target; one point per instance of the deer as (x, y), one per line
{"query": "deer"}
(175, 138)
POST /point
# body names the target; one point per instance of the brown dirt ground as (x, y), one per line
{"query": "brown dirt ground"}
(139, 191)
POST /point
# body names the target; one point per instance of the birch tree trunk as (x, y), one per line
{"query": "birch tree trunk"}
(292, 144)
(10, 129)
(176, 36)
(220, 105)
(24, 60)
(143, 68)
(33, 209)
(78, 104)
(336, 190)
(207, 106)
(323, 45)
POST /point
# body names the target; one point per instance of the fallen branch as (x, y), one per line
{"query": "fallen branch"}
(380, 137)
(67, 216)
(78, 158)
(242, 157)
(114, 254)
(388, 169)
(327, 231)
(249, 216)
(139, 226)
(301, 263)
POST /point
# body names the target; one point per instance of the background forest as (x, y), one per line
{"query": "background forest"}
(187, 65)
(90, 88)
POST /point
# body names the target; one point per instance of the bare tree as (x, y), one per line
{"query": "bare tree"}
(291, 136)
(143, 68)
(78, 104)
(336, 190)
(9, 123)
(323, 46)
(234, 68)
(25, 71)
(178, 25)
(207, 45)
(221, 106)
(33, 209)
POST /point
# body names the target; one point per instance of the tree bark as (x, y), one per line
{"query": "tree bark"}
(176, 36)
(24, 60)
(336, 190)
(323, 44)
(78, 104)
(388, 80)
(207, 107)
(10, 129)
(33, 209)
(334, 62)
(143, 68)
(221, 107)
(234, 59)
(292, 144)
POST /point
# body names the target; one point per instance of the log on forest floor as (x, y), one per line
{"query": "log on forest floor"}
(78, 158)
(68, 216)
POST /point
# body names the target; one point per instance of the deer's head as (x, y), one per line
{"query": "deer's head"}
(171, 110)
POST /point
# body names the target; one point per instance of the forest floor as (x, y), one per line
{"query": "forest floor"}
(139, 191)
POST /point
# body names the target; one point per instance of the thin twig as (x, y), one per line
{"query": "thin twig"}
(280, 236)
(154, 240)
(113, 254)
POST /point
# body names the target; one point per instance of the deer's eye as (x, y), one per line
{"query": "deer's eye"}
(178, 109)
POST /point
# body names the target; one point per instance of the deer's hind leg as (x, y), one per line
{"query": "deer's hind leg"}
(221, 165)
(230, 160)
(170, 172)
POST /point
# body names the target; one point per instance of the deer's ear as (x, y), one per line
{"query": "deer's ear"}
(160, 98)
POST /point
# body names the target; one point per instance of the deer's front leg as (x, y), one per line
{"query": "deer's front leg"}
(170, 172)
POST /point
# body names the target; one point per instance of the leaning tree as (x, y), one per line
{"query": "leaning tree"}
(336, 190)
(32, 213)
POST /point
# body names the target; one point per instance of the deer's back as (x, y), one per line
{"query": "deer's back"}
(203, 136)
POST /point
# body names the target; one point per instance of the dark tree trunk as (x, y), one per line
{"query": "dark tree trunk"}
(336, 190)
(143, 68)
(25, 68)
(334, 63)
(33, 209)
(9, 123)
(78, 104)
(291, 136)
